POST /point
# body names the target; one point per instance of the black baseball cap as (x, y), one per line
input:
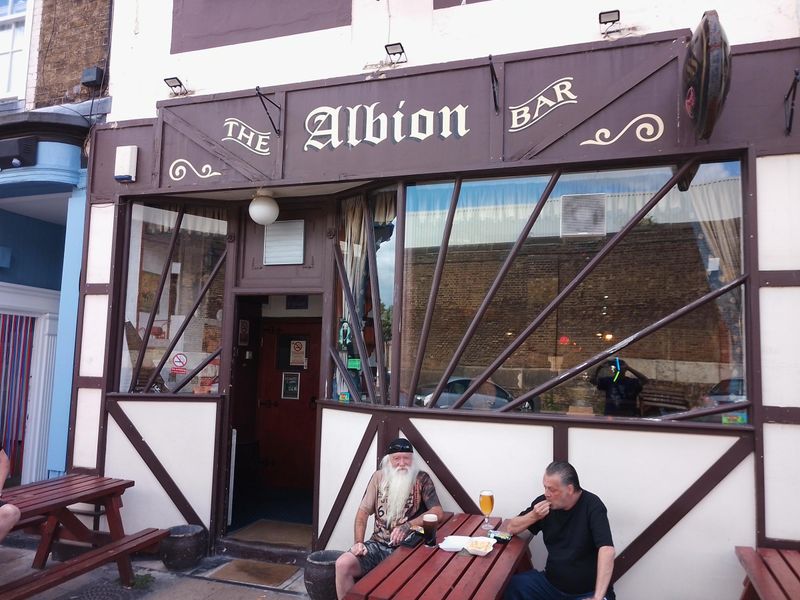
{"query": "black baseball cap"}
(399, 445)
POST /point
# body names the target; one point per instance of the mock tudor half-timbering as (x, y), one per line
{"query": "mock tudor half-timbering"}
(465, 262)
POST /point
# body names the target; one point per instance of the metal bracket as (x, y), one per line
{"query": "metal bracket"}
(262, 96)
(494, 86)
(788, 110)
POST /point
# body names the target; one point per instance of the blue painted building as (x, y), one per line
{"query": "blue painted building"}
(42, 203)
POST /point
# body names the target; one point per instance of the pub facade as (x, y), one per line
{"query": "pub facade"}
(581, 252)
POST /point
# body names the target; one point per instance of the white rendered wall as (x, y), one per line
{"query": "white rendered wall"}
(142, 32)
(181, 435)
(781, 481)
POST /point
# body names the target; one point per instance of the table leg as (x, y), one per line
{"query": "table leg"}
(46, 543)
(115, 527)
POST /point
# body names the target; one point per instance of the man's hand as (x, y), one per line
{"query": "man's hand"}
(398, 534)
(358, 549)
(541, 510)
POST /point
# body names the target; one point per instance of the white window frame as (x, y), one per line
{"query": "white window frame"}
(26, 19)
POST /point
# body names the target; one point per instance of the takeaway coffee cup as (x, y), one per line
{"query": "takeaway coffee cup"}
(429, 525)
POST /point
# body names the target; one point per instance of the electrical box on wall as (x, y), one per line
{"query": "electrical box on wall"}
(125, 164)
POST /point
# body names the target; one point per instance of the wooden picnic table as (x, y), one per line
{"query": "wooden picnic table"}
(771, 573)
(425, 573)
(47, 504)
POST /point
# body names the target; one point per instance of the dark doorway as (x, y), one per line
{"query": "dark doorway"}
(275, 387)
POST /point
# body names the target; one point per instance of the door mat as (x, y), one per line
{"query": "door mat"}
(253, 571)
(275, 532)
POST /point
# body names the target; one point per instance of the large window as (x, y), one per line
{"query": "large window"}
(173, 305)
(616, 294)
(13, 48)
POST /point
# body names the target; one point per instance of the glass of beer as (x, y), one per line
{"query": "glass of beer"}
(429, 525)
(486, 502)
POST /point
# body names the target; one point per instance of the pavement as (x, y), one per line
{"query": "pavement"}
(152, 580)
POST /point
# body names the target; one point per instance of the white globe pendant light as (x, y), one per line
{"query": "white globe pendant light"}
(263, 208)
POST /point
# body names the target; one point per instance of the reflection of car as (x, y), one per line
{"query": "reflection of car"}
(488, 396)
(727, 391)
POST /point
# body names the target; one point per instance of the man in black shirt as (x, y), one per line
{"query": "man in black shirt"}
(621, 390)
(9, 514)
(577, 535)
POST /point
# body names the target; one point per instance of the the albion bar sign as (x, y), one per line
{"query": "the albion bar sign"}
(591, 103)
(332, 126)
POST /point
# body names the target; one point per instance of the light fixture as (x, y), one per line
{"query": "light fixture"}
(396, 53)
(263, 208)
(609, 17)
(176, 85)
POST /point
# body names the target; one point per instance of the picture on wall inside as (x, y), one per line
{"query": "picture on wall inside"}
(290, 388)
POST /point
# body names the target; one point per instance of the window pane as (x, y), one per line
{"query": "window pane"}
(4, 5)
(18, 6)
(371, 313)
(6, 37)
(200, 244)
(19, 35)
(5, 72)
(18, 74)
(688, 245)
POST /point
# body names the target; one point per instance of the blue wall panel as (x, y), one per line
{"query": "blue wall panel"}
(37, 251)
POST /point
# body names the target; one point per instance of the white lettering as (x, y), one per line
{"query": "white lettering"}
(319, 117)
(240, 132)
(418, 118)
(352, 125)
(519, 117)
(461, 120)
(562, 89)
(397, 123)
(366, 123)
(542, 104)
(371, 120)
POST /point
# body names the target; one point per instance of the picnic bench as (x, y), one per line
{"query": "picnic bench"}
(46, 505)
(771, 573)
(424, 573)
(661, 399)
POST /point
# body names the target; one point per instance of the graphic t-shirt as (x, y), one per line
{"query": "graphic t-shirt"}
(421, 499)
(572, 538)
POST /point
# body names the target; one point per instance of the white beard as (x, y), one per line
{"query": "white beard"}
(396, 486)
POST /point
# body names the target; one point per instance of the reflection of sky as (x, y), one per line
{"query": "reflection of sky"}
(385, 264)
(526, 190)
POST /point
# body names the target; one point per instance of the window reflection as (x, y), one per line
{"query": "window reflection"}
(180, 339)
(687, 245)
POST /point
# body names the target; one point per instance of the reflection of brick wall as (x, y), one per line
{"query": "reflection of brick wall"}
(73, 36)
(653, 272)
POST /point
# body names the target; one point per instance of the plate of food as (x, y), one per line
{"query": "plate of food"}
(480, 546)
(454, 543)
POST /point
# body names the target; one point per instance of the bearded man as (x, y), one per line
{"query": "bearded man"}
(398, 494)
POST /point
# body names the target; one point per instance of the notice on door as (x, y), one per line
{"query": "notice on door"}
(297, 353)
(290, 388)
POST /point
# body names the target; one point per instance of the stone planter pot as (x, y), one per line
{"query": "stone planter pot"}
(184, 547)
(320, 574)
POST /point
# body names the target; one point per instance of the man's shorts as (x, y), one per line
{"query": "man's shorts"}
(376, 552)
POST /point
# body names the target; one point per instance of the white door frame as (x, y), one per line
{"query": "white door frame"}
(43, 305)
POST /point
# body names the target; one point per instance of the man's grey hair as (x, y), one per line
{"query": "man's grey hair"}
(567, 473)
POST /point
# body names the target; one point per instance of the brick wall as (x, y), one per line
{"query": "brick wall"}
(74, 35)
(654, 271)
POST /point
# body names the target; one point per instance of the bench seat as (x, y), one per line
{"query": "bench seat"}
(772, 574)
(664, 399)
(74, 567)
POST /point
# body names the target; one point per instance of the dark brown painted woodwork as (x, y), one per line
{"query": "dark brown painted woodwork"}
(375, 293)
(151, 460)
(197, 25)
